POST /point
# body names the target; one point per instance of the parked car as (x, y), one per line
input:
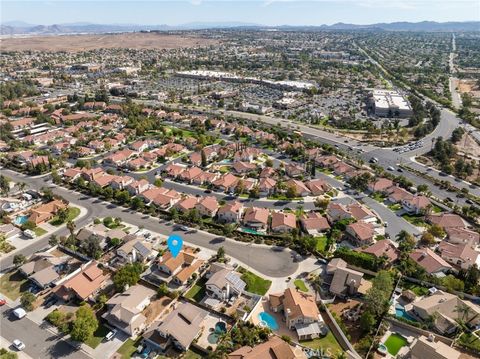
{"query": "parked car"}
(110, 335)
(19, 313)
(18, 344)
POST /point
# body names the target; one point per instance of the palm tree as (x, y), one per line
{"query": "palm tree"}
(463, 310)
(317, 283)
(403, 235)
(71, 227)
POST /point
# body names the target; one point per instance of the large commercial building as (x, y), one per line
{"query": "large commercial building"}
(388, 103)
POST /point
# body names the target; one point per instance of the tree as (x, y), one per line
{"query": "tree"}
(422, 188)
(158, 182)
(71, 227)
(367, 321)
(221, 254)
(84, 325)
(4, 185)
(127, 275)
(27, 299)
(162, 290)
(5, 354)
(377, 297)
(291, 191)
(463, 311)
(91, 247)
(19, 259)
(427, 239)
(62, 215)
(436, 231)
(204, 158)
(53, 240)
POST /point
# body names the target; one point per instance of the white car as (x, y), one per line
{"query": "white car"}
(18, 344)
(19, 313)
(110, 335)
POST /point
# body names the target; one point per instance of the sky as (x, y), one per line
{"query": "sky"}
(265, 12)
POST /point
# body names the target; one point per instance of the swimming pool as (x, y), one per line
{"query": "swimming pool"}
(401, 313)
(251, 231)
(220, 328)
(20, 220)
(268, 320)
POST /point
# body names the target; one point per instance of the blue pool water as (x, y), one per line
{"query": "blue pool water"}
(220, 328)
(401, 313)
(269, 320)
(20, 220)
(251, 231)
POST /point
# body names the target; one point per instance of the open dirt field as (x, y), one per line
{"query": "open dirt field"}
(76, 43)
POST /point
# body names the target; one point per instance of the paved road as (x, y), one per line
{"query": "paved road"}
(270, 261)
(40, 343)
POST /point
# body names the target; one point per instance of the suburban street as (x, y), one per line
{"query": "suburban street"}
(40, 343)
(270, 261)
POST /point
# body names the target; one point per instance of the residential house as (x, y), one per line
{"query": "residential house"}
(300, 189)
(136, 250)
(244, 167)
(345, 282)
(326, 161)
(462, 235)
(314, 223)
(446, 306)
(283, 222)
(430, 261)
(137, 187)
(43, 269)
(189, 174)
(397, 194)
(124, 310)
(360, 233)
(383, 249)
(267, 172)
(318, 186)
(417, 204)
(9, 231)
(256, 218)
(423, 348)
(230, 212)
(446, 220)
(461, 255)
(300, 311)
(380, 185)
(186, 204)
(84, 284)
(224, 284)
(207, 206)
(179, 328)
(121, 182)
(294, 170)
(226, 182)
(46, 212)
(273, 348)
(266, 186)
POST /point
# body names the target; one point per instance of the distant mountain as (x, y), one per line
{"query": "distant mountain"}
(20, 27)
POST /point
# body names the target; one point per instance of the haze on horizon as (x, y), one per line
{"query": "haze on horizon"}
(265, 12)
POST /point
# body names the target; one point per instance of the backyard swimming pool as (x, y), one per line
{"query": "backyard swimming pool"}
(220, 328)
(401, 313)
(268, 320)
(20, 220)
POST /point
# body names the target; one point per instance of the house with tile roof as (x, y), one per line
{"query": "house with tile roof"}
(273, 348)
(461, 255)
(300, 311)
(283, 222)
(230, 212)
(446, 220)
(430, 261)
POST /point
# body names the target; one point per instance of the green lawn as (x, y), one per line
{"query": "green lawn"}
(377, 196)
(197, 292)
(415, 288)
(255, 284)
(415, 220)
(190, 354)
(12, 284)
(470, 341)
(328, 344)
(39, 231)
(322, 243)
(73, 213)
(98, 336)
(300, 285)
(129, 347)
(395, 206)
(394, 343)
(436, 209)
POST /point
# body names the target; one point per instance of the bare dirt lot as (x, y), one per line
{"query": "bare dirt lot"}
(76, 43)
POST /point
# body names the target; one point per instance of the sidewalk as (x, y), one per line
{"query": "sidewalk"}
(4, 343)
